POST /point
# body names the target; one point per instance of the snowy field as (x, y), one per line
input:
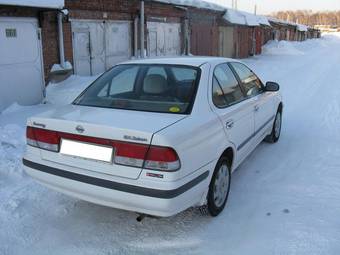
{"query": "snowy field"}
(285, 198)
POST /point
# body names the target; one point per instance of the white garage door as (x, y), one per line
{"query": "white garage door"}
(21, 76)
(97, 45)
(164, 39)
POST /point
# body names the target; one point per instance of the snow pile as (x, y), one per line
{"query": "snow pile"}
(15, 107)
(12, 142)
(58, 67)
(54, 4)
(281, 48)
(66, 91)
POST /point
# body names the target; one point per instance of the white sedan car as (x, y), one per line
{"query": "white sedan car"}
(155, 136)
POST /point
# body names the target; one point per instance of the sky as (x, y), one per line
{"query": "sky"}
(268, 6)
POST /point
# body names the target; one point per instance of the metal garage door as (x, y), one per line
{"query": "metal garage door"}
(164, 39)
(202, 39)
(98, 45)
(21, 76)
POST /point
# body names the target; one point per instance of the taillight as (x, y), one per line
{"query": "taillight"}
(162, 158)
(149, 157)
(130, 154)
(43, 139)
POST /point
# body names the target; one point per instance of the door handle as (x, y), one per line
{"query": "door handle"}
(229, 124)
(256, 108)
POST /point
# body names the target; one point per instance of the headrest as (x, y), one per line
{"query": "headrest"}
(155, 84)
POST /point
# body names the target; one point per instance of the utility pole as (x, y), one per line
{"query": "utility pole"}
(255, 9)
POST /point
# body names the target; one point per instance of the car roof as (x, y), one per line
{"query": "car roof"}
(185, 60)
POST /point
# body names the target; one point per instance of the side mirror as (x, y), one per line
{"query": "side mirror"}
(272, 86)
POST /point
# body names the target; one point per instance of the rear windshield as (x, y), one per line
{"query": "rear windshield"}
(153, 88)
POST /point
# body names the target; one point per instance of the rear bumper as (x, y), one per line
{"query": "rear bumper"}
(175, 198)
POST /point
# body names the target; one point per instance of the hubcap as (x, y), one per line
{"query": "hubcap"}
(221, 185)
(277, 128)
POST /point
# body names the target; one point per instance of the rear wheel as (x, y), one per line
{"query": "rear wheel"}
(276, 131)
(219, 187)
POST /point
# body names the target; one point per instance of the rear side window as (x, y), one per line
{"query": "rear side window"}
(226, 90)
(218, 96)
(249, 81)
(144, 87)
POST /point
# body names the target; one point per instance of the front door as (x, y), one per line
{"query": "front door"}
(262, 109)
(235, 111)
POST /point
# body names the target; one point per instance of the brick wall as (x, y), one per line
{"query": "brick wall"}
(119, 9)
(12, 11)
(49, 33)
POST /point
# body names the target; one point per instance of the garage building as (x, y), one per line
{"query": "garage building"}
(22, 55)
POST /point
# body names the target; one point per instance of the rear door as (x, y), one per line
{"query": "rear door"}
(264, 112)
(234, 110)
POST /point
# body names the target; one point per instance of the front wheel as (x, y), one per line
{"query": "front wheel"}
(276, 131)
(219, 187)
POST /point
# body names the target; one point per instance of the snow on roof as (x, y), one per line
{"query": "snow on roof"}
(53, 4)
(234, 17)
(251, 19)
(280, 21)
(299, 27)
(194, 3)
(263, 20)
(245, 18)
(302, 28)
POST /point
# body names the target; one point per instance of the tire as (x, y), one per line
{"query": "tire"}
(276, 131)
(219, 187)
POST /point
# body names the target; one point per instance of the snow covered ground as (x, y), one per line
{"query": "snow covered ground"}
(285, 198)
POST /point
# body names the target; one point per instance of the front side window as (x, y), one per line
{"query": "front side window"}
(249, 81)
(226, 90)
(142, 87)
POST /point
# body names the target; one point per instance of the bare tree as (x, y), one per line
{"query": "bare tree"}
(310, 18)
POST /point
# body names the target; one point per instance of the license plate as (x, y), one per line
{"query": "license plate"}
(86, 150)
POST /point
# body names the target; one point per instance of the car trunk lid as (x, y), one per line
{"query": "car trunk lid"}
(79, 122)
